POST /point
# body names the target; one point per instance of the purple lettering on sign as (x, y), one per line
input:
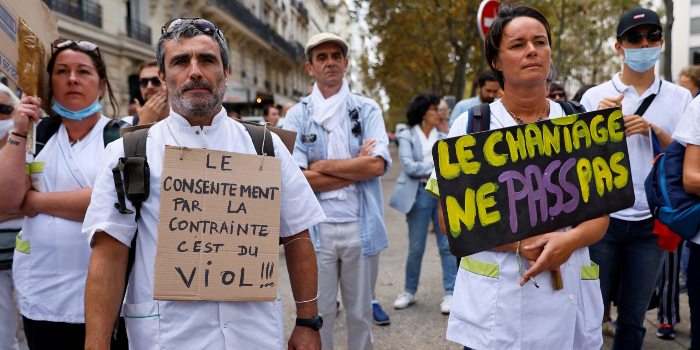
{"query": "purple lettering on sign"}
(568, 187)
(559, 205)
(508, 177)
(536, 195)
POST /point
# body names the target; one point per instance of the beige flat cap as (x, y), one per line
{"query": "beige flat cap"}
(321, 38)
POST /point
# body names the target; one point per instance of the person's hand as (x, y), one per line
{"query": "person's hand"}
(610, 102)
(304, 338)
(148, 113)
(635, 124)
(530, 255)
(558, 247)
(28, 107)
(367, 148)
(28, 209)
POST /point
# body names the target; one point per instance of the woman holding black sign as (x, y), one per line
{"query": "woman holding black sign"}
(494, 306)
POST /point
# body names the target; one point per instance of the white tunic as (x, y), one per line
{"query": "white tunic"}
(50, 280)
(157, 324)
(491, 311)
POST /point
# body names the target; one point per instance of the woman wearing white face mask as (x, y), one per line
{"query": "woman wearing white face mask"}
(10, 225)
(52, 189)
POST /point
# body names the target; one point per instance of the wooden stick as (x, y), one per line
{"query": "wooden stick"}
(557, 282)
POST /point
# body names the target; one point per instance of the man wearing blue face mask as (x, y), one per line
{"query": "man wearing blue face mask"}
(647, 103)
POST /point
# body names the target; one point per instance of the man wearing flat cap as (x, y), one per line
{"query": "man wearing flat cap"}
(342, 149)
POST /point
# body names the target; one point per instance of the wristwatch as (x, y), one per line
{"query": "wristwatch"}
(314, 323)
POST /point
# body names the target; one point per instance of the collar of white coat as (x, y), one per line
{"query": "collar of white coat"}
(623, 89)
(177, 121)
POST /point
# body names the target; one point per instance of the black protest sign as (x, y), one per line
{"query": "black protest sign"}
(218, 227)
(501, 186)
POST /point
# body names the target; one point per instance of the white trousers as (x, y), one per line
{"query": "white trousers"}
(8, 313)
(340, 262)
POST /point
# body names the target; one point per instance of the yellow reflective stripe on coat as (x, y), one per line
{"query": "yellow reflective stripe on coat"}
(432, 188)
(479, 268)
(35, 168)
(590, 272)
(21, 246)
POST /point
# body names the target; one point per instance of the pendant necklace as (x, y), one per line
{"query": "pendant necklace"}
(519, 120)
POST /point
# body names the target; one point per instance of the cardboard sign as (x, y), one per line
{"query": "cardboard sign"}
(498, 187)
(218, 230)
(27, 29)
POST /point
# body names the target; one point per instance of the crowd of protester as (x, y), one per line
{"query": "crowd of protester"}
(67, 261)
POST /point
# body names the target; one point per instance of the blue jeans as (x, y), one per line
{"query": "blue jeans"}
(424, 209)
(635, 247)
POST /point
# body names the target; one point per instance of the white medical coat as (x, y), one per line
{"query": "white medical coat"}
(158, 324)
(490, 310)
(50, 279)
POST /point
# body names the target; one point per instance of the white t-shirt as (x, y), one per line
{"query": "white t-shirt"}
(665, 112)
(156, 324)
(426, 143)
(688, 132)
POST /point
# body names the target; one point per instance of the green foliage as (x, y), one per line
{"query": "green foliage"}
(434, 46)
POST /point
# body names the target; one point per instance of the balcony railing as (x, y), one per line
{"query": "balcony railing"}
(85, 10)
(139, 31)
(240, 13)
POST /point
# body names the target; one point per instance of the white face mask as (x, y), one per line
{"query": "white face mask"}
(6, 126)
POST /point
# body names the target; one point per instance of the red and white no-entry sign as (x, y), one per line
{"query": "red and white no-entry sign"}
(486, 15)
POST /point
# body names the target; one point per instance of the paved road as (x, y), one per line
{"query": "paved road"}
(422, 326)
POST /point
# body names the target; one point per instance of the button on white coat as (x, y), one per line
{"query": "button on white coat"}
(571, 297)
(571, 262)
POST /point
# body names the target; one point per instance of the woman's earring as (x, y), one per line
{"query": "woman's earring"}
(422, 123)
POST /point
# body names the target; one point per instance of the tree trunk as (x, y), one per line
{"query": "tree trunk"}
(668, 50)
(460, 77)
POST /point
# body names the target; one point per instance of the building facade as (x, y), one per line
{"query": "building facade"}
(265, 38)
(685, 36)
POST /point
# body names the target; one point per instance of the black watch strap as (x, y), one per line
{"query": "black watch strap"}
(314, 323)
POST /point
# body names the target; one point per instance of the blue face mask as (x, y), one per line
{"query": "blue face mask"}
(79, 115)
(641, 60)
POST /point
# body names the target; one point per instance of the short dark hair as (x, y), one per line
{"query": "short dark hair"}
(148, 64)
(190, 30)
(266, 109)
(579, 94)
(418, 106)
(507, 13)
(556, 86)
(485, 76)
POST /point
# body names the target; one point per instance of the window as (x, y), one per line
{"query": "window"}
(695, 2)
(695, 26)
(332, 18)
(695, 55)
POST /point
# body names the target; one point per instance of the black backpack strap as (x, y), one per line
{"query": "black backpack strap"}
(647, 102)
(134, 165)
(45, 129)
(571, 107)
(480, 119)
(111, 131)
(256, 134)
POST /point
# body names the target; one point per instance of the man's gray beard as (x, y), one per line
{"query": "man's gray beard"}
(198, 109)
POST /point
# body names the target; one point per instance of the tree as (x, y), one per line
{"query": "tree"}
(434, 46)
(423, 46)
(668, 47)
